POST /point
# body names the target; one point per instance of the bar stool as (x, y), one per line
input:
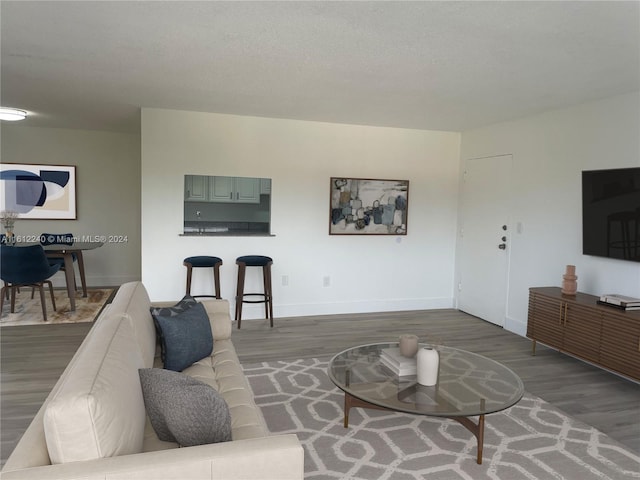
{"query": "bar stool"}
(254, 261)
(204, 262)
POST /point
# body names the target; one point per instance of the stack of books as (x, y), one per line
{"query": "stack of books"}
(397, 363)
(620, 301)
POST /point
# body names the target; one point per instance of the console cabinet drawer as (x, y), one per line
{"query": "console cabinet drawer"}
(620, 346)
(545, 320)
(578, 325)
(582, 332)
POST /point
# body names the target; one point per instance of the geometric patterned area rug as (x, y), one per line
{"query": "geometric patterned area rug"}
(28, 311)
(531, 440)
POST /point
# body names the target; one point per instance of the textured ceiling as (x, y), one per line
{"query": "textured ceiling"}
(427, 65)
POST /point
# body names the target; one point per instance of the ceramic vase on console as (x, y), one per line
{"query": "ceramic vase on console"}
(408, 345)
(427, 363)
(569, 283)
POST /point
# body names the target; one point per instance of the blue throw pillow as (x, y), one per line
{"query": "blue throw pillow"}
(186, 303)
(186, 337)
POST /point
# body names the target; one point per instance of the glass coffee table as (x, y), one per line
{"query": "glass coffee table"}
(468, 385)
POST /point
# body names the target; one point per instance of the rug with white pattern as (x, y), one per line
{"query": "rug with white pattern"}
(531, 440)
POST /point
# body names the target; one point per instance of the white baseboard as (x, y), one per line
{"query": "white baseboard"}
(256, 311)
(58, 280)
(516, 326)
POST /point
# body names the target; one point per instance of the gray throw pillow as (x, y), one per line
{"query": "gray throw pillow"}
(184, 410)
(186, 337)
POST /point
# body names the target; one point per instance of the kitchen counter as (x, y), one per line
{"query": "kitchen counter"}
(229, 233)
(226, 229)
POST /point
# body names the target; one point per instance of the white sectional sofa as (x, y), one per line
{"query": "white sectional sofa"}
(94, 425)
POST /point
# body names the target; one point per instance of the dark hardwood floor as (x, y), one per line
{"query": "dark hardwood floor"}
(34, 357)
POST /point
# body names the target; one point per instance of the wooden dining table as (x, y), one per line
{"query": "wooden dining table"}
(66, 252)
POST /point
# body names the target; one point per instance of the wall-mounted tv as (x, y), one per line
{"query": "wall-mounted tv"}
(611, 213)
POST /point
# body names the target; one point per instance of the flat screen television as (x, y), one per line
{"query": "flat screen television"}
(611, 213)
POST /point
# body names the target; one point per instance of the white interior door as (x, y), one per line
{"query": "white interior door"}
(484, 238)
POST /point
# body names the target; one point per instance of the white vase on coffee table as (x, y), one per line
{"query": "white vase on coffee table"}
(427, 363)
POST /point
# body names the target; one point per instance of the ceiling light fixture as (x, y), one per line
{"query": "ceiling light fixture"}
(12, 114)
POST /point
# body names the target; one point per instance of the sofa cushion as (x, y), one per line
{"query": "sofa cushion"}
(246, 419)
(183, 409)
(187, 337)
(97, 409)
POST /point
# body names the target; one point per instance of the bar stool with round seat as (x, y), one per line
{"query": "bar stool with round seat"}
(267, 299)
(203, 261)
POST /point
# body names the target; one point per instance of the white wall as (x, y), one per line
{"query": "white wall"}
(368, 273)
(107, 187)
(549, 153)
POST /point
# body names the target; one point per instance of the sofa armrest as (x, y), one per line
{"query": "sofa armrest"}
(218, 311)
(278, 457)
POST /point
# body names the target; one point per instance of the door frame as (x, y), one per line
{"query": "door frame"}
(459, 241)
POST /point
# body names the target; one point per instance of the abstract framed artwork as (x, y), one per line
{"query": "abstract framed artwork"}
(364, 206)
(38, 191)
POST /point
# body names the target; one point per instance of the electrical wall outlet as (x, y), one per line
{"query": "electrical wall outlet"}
(285, 280)
(326, 281)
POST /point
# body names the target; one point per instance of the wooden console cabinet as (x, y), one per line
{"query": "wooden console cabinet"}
(578, 325)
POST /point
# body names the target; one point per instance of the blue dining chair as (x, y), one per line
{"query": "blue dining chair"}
(25, 267)
(3, 241)
(59, 239)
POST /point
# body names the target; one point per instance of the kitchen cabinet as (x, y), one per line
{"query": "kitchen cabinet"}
(195, 188)
(234, 190)
(200, 188)
(265, 186)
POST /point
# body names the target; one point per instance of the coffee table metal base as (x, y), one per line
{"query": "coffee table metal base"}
(476, 428)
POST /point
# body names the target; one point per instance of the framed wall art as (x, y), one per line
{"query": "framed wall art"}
(364, 206)
(38, 191)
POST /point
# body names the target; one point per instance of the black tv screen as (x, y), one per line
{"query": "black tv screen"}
(611, 213)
